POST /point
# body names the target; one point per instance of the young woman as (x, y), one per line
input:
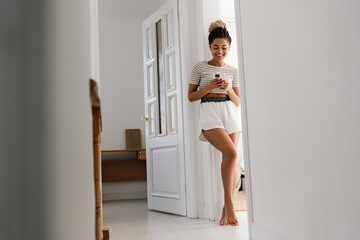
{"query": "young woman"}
(217, 85)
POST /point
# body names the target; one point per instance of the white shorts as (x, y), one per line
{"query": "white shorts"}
(220, 113)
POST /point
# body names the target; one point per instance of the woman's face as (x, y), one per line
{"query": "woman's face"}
(219, 49)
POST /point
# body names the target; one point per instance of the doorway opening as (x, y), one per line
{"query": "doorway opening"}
(226, 11)
(123, 70)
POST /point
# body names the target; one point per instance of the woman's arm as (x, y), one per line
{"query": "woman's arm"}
(234, 95)
(194, 94)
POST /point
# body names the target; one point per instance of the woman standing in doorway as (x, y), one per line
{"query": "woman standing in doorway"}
(217, 85)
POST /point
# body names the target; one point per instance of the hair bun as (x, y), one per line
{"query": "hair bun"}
(216, 24)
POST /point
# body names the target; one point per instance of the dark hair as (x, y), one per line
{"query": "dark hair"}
(219, 32)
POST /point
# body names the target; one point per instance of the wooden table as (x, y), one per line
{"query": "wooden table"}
(124, 170)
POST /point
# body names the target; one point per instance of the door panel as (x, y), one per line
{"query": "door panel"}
(169, 29)
(149, 42)
(170, 71)
(163, 101)
(165, 158)
(151, 80)
(151, 122)
(172, 114)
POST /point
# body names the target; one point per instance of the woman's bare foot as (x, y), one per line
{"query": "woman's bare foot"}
(231, 216)
(223, 220)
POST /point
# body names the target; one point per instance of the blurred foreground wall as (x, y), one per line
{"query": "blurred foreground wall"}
(301, 64)
(46, 175)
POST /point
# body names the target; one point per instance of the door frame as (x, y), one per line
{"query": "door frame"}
(188, 19)
(186, 32)
(244, 118)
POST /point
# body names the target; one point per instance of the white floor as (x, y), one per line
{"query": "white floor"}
(131, 220)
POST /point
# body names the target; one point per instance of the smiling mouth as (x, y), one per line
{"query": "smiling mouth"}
(220, 55)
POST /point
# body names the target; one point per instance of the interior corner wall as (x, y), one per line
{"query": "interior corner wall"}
(122, 85)
(189, 50)
(122, 81)
(121, 68)
(301, 61)
(193, 49)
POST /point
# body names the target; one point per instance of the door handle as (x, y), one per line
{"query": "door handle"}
(146, 118)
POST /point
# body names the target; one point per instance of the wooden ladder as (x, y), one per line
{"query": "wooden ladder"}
(97, 128)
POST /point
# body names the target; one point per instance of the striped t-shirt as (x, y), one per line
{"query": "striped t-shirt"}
(203, 73)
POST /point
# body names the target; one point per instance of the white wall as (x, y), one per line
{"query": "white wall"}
(69, 179)
(193, 47)
(21, 118)
(121, 64)
(122, 84)
(124, 190)
(122, 101)
(46, 173)
(94, 41)
(302, 75)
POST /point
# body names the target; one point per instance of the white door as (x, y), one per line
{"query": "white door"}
(163, 108)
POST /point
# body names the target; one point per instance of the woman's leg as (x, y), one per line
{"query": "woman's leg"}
(222, 141)
(235, 139)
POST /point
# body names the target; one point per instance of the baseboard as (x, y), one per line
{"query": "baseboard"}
(201, 209)
(260, 232)
(124, 195)
(204, 211)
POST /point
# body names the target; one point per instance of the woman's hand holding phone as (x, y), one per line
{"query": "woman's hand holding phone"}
(216, 83)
